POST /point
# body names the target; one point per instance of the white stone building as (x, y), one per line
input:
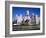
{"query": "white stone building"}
(27, 17)
(19, 19)
(37, 19)
(31, 19)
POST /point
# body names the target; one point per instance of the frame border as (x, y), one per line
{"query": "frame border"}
(7, 18)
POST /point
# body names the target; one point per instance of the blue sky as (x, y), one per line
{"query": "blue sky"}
(22, 10)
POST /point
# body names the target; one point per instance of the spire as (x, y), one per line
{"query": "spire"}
(16, 16)
(21, 15)
(36, 15)
(33, 14)
(27, 12)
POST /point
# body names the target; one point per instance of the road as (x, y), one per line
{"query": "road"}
(26, 27)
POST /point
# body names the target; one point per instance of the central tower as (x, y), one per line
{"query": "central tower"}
(27, 12)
